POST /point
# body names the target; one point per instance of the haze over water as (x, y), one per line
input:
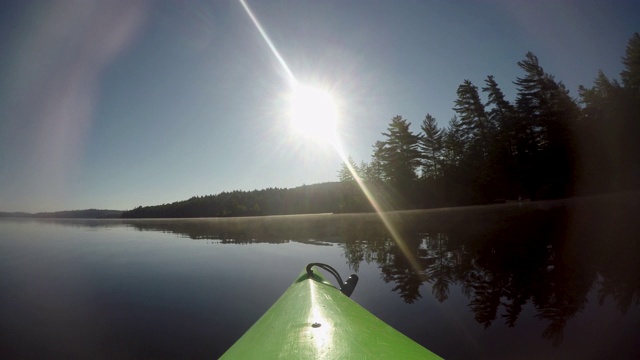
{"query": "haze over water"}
(535, 280)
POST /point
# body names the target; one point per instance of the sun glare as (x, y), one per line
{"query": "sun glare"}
(313, 113)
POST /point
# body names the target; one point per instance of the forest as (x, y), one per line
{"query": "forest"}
(307, 199)
(543, 145)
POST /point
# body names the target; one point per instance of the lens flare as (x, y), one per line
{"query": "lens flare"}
(393, 231)
(290, 77)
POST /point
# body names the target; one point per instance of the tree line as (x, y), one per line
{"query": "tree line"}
(543, 145)
(537, 258)
(503, 259)
(69, 214)
(306, 199)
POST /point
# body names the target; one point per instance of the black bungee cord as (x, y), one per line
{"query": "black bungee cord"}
(346, 287)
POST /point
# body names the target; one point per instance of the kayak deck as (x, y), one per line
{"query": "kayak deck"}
(314, 320)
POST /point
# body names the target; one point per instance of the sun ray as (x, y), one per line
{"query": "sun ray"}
(393, 231)
(292, 79)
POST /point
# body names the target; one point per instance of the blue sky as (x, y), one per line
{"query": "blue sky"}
(120, 103)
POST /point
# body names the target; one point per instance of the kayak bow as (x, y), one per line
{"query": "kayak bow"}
(315, 320)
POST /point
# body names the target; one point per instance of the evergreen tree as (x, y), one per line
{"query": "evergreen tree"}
(547, 114)
(454, 144)
(345, 173)
(430, 145)
(631, 74)
(631, 81)
(480, 135)
(353, 199)
(502, 116)
(499, 149)
(610, 127)
(545, 102)
(398, 156)
(529, 102)
(375, 171)
(474, 122)
(597, 101)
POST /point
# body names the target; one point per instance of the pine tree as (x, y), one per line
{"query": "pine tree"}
(454, 144)
(398, 157)
(371, 172)
(611, 128)
(503, 151)
(547, 115)
(430, 146)
(345, 173)
(501, 115)
(631, 74)
(529, 102)
(474, 122)
(398, 154)
(597, 101)
(376, 166)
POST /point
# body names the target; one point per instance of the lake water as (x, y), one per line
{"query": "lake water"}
(537, 280)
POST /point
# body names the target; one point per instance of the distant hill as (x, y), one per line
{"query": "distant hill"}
(72, 214)
(306, 199)
(14, 214)
(329, 197)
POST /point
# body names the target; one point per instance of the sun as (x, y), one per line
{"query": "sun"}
(313, 113)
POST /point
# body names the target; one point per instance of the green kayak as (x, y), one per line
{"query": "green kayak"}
(315, 320)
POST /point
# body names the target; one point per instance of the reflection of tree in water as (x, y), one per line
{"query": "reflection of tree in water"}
(562, 292)
(367, 240)
(623, 287)
(502, 259)
(314, 229)
(364, 240)
(615, 280)
(550, 259)
(441, 265)
(396, 268)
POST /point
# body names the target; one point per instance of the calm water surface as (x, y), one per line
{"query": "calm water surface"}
(528, 281)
